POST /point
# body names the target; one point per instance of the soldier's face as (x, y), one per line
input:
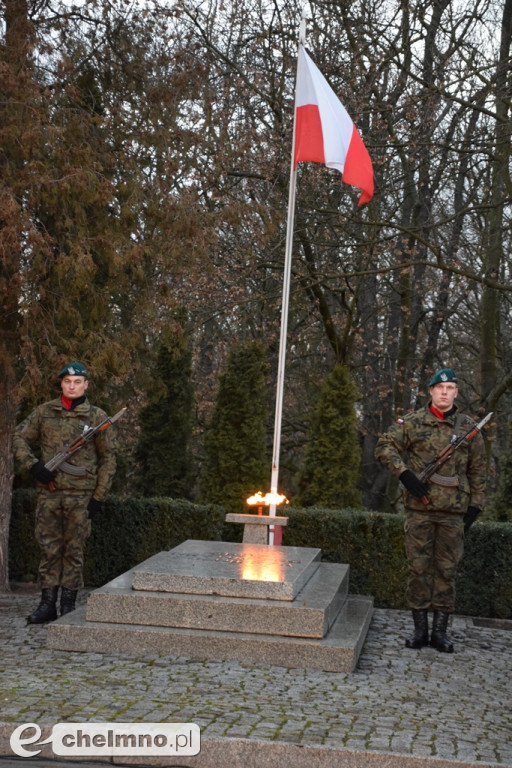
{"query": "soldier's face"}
(74, 386)
(443, 395)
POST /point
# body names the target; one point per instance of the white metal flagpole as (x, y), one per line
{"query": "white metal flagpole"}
(284, 309)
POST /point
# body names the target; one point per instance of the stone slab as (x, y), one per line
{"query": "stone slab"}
(256, 753)
(217, 752)
(256, 527)
(247, 519)
(310, 614)
(228, 569)
(229, 752)
(338, 651)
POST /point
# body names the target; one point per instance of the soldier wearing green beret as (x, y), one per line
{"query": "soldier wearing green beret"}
(65, 502)
(438, 515)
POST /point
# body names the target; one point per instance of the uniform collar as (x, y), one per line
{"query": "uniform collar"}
(70, 404)
(83, 408)
(443, 415)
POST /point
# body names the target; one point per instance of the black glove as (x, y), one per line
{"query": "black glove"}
(470, 516)
(41, 474)
(94, 507)
(413, 484)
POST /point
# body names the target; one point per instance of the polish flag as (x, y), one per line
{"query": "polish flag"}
(324, 132)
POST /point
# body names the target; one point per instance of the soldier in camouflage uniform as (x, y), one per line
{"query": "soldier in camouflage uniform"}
(65, 502)
(438, 515)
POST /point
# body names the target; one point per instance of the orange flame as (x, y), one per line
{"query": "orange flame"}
(266, 500)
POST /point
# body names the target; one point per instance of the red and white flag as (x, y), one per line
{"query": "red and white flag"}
(324, 131)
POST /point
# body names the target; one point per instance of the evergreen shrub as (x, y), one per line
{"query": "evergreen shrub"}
(126, 532)
(330, 475)
(163, 456)
(484, 577)
(23, 547)
(130, 530)
(372, 543)
(235, 462)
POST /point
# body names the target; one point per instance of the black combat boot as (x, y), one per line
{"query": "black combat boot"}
(67, 600)
(438, 637)
(420, 637)
(47, 608)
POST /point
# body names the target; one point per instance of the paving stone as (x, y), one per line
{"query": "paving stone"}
(399, 709)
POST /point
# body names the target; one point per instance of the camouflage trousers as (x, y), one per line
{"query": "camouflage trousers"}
(62, 527)
(434, 545)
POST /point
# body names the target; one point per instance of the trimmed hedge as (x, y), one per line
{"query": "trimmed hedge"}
(131, 530)
(373, 544)
(127, 532)
(23, 548)
(484, 578)
(370, 542)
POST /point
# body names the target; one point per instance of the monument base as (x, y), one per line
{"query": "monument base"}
(216, 600)
(256, 527)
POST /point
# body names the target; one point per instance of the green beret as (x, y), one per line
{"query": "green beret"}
(74, 369)
(443, 376)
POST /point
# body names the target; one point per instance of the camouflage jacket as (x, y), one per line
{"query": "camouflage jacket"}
(417, 439)
(51, 427)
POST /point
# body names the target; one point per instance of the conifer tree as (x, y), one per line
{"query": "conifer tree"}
(332, 458)
(235, 464)
(163, 454)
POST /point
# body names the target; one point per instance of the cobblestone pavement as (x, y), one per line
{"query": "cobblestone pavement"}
(446, 707)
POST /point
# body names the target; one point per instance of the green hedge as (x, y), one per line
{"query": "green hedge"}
(131, 530)
(484, 579)
(372, 543)
(127, 532)
(23, 548)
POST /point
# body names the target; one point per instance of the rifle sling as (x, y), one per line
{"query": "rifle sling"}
(448, 481)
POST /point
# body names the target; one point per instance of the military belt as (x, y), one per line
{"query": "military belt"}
(451, 482)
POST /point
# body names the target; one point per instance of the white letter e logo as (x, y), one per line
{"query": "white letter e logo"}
(16, 741)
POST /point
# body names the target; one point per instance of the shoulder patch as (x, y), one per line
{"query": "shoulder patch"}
(402, 419)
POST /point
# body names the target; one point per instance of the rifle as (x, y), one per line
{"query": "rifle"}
(59, 461)
(447, 453)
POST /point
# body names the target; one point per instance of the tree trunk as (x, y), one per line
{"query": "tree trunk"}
(16, 85)
(7, 423)
(494, 254)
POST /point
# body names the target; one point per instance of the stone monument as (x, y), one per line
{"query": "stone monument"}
(248, 602)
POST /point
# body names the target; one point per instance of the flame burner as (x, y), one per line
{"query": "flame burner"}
(269, 499)
(260, 501)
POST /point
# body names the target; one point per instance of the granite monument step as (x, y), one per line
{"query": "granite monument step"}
(338, 651)
(275, 605)
(228, 569)
(310, 614)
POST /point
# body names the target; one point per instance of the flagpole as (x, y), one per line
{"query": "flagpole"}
(284, 309)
